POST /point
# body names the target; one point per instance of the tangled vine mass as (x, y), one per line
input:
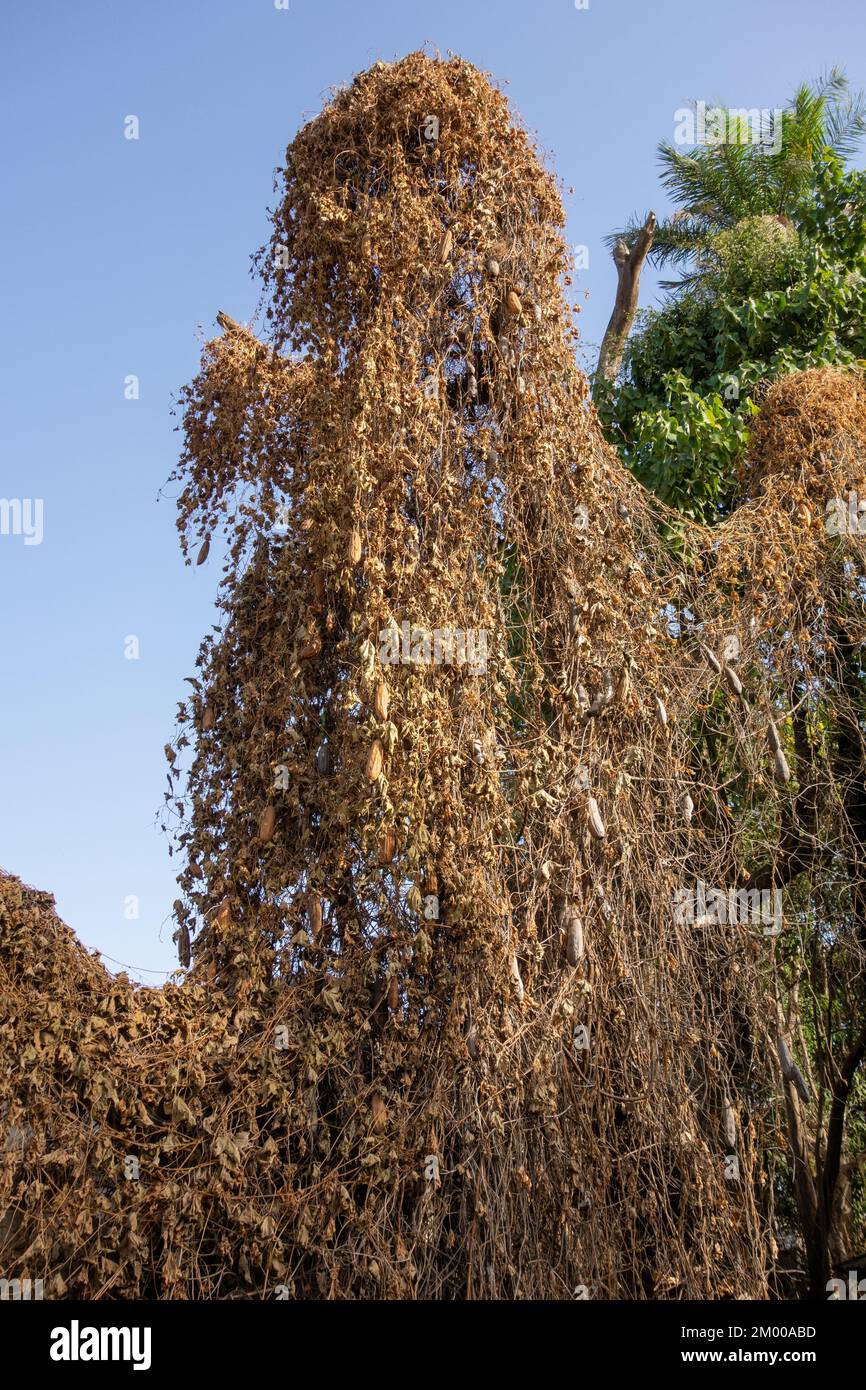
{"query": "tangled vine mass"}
(440, 780)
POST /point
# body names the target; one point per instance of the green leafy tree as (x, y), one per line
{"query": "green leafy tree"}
(768, 297)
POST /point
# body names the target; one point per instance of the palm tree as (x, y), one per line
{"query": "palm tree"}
(716, 186)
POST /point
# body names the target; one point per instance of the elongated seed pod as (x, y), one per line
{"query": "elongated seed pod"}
(314, 915)
(733, 682)
(355, 547)
(472, 1042)
(730, 1122)
(712, 660)
(323, 760)
(773, 737)
(661, 712)
(574, 943)
(387, 846)
(208, 719)
(780, 767)
(375, 760)
(688, 808)
(518, 979)
(393, 994)
(381, 701)
(183, 946)
(593, 815)
(379, 1114)
(267, 823)
(447, 243)
(204, 552)
(477, 752)
(513, 303)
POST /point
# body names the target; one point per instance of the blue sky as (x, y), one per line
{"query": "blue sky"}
(117, 253)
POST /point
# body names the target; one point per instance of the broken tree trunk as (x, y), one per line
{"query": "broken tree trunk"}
(628, 268)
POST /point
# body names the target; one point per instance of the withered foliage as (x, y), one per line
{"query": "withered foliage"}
(443, 1035)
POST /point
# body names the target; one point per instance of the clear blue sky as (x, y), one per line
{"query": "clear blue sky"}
(116, 252)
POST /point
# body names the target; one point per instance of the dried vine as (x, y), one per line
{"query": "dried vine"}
(444, 1033)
